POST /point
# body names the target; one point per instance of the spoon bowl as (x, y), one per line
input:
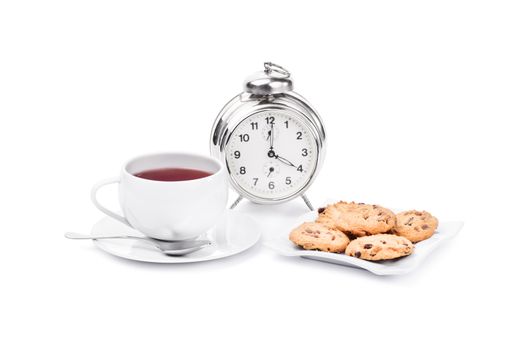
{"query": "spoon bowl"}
(171, 248)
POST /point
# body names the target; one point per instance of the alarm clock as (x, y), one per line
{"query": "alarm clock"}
(271, 140)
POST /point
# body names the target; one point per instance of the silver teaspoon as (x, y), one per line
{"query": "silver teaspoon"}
(177, 248)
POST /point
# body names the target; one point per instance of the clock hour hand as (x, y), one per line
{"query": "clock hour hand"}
(272, 154)
(284, 160)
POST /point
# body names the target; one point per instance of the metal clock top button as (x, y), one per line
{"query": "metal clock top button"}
(273, 80)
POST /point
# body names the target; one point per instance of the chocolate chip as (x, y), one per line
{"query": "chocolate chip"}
(333, 238)
(374, 206)
(368, 246)
(424, 227)
(357, 254)
(384, 242)
(360, 203)
(320, 210)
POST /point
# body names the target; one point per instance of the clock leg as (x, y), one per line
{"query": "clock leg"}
(307, 202)
(236, 202)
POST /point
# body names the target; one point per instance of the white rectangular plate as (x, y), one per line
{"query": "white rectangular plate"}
(446, 230)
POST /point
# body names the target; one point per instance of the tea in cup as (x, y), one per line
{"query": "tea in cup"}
(169, 196)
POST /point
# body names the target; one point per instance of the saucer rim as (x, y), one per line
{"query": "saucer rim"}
(187, 259)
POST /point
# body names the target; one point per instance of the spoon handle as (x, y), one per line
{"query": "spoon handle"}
(74, 235)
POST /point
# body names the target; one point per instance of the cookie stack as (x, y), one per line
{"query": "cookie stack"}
(365, 231)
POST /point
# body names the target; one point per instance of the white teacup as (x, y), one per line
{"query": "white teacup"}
(169, 210)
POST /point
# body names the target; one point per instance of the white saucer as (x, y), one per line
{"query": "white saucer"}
(234, 233)
(446, 230)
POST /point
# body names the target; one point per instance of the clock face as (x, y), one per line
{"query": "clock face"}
(272, 154)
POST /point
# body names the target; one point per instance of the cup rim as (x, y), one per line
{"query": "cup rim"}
(197, 155)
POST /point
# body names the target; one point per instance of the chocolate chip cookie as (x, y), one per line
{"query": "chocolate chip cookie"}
(313, 235)
(357, 219)
(415, 225)
(379, 247)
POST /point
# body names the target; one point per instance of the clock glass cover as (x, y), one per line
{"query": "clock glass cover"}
(272, 154)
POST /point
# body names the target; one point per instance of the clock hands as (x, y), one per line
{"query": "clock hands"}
(271, 154)
(270, 136)
(285, 161)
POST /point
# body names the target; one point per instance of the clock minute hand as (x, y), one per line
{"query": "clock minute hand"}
(271, 136)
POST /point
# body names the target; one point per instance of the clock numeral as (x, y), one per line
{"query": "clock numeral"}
(300, 168)
(242, 170)
(299, 135)
(286, 123)
(244, 137)
(271, 185)
(288, 180)
(255, 179)
(305, 152)
(237, 154)
(255, 125)
(270, 120)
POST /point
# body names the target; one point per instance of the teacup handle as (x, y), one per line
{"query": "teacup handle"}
(103, 209)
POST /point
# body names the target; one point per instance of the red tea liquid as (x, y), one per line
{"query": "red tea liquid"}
(172, 174)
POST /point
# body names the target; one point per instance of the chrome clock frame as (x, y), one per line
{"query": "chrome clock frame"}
(247, 104)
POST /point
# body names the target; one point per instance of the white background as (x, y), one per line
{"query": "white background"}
(423, 104)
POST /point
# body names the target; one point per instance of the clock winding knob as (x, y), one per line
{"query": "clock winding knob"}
(273, 80)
